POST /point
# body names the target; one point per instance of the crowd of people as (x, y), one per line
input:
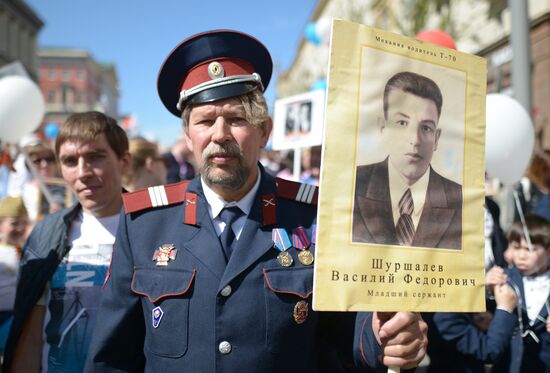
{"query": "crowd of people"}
(194, 283)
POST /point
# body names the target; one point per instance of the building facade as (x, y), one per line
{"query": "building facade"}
(72, 81)
(19, 26)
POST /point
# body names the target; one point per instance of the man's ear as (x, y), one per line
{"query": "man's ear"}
(437, 135)
(149, 163)
(188, 141)
(381, 122)
(267, 127)
(125, 162)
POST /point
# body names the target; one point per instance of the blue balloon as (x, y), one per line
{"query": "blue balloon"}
(51, 130)
(320, 84)
(311, 34)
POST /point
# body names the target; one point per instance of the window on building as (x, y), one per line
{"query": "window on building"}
(51, 97)
(51, 73)
(79, 97)
(66, 74)
(67, 96)
(80, 74)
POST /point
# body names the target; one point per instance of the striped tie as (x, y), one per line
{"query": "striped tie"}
(405, 225)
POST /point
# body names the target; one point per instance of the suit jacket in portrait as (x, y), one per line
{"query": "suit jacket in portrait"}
(440, 225)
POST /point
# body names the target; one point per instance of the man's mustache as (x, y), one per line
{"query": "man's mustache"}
(224, 149)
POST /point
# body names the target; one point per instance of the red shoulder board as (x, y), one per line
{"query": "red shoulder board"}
(161, 195)
(300, 192)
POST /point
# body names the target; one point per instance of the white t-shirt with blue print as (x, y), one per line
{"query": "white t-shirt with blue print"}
(74, 294)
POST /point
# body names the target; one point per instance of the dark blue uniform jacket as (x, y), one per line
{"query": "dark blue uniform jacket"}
(217, 316)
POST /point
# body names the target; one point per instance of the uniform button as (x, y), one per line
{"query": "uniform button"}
(225, 347)
(226, 291)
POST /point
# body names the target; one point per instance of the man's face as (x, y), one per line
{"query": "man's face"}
(410, 133)
(529, 262)
(225, 145)
(93, 172)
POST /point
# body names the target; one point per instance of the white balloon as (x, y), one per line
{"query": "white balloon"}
(21, 107)
(509, 138)
(322, 29)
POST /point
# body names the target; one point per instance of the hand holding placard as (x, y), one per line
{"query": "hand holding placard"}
(402, 338)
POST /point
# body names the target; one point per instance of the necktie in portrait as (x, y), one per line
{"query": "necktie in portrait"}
(405, 226)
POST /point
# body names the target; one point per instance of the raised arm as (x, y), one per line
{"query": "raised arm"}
(488, 346)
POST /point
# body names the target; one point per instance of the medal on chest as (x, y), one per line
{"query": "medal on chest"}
(282, 243)
(164, 254)
(301, 310)
(301, 243)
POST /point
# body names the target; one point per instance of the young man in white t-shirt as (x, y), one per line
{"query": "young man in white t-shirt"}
(66, 258)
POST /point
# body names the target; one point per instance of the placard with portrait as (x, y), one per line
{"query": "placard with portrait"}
(400, 222)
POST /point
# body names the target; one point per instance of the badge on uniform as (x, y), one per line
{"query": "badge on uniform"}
(164, 254)
(302, 243)
(157, 314)
(301, 310)
(282, 243)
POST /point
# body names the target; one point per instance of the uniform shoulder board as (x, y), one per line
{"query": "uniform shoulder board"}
(156, 196)
(300, 192)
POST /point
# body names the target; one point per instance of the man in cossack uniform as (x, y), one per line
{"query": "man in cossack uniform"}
(216, 274)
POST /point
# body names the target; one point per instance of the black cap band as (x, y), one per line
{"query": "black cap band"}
(221, 92)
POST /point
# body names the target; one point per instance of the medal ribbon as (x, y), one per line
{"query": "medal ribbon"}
(281, 239)
(300, 239)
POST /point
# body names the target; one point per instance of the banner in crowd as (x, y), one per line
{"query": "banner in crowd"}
(400, 222)
(298, 120)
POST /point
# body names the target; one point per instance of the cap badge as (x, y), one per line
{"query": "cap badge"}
(164, 254)
(215, 70)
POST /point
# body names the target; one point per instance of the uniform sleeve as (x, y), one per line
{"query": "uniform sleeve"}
(366, 349)
(488, 346)
(117, 344)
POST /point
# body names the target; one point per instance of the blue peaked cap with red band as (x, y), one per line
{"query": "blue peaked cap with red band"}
(213, 66)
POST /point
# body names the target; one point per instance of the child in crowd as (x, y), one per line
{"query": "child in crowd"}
(13, 226)
(530, 278)
(517, 339)
(475, 339)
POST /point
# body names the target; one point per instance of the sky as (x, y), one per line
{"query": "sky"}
(136, 36)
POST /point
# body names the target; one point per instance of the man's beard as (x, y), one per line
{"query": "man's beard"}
(234, 177)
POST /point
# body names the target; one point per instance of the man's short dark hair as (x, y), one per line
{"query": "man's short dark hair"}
(416, 84)
(88, 126)
(538, 228)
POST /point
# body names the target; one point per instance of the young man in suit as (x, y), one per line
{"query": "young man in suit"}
(403, 200)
